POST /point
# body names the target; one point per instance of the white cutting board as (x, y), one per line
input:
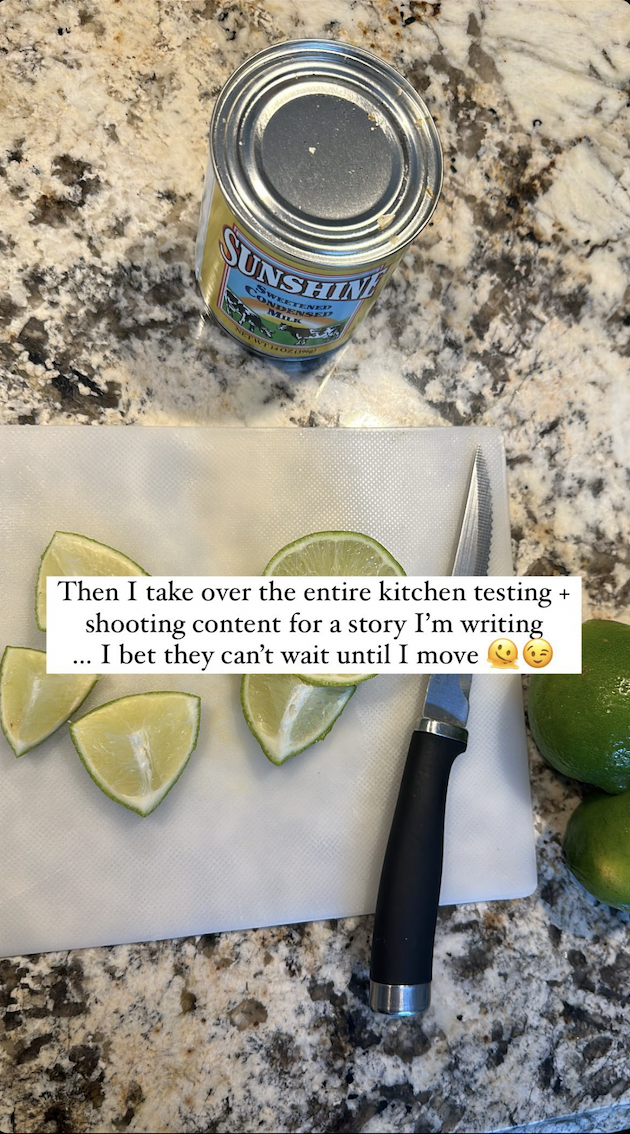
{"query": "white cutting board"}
(238, 842)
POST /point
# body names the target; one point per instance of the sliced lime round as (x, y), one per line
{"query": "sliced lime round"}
(334, 553)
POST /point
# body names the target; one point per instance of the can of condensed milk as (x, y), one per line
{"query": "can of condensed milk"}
(324, 165)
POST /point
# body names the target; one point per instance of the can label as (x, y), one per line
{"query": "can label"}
(275, 304)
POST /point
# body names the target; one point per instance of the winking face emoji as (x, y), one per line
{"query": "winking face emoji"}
(537, 653)
(502, 654)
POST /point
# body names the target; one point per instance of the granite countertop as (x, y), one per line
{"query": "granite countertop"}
(510, 310)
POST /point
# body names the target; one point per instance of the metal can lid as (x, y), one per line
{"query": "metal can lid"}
(326, 152)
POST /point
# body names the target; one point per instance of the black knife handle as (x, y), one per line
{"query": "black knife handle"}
(407, 903)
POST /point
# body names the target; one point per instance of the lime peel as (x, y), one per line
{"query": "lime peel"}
(596, 847)
(581, 721)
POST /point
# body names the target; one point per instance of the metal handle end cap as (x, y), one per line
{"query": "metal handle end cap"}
(443, 728)
(399, 999)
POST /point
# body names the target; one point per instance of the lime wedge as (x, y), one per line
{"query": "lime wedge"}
(334, 553)
(33, 703)
(72, 554)
(286, 715)
(137, 747)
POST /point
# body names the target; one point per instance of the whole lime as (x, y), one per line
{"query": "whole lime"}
(597, 847)
(581, 721)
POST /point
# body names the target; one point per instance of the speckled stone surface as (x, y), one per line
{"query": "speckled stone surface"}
(511, 310)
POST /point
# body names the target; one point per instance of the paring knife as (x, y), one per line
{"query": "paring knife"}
(407, 903)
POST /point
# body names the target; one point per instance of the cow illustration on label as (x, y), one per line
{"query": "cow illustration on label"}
(266, 297)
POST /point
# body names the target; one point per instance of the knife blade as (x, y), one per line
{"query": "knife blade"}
(409, 890)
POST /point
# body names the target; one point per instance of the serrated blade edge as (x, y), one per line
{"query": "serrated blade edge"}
(447, 696)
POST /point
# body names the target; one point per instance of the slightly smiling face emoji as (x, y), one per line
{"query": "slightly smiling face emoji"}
(502, 654)
(538, 653)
